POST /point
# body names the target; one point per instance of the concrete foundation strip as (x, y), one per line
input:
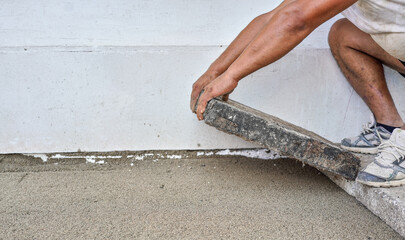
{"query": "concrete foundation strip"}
(275, 134)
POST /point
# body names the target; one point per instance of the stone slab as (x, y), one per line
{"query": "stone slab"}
(283, 137)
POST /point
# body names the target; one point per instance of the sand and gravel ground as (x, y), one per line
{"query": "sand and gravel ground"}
(206, 198)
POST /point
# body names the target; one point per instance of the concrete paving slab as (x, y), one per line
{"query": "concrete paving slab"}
(281, 136)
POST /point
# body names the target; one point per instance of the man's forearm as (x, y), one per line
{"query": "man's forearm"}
(244, 38)
(237, 46)
(285, 30)
(280, 35)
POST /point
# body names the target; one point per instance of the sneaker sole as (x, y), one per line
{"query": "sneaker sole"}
(397, 183)
(361, 149)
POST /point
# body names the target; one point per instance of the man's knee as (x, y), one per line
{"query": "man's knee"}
(344, 34)
(337, 34)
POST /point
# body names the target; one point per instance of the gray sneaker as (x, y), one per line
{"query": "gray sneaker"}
(368, 140)
(388, 167)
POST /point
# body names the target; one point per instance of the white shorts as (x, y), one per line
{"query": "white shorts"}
(393, 43)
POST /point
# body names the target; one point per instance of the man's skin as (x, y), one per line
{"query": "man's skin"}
(360, 58)
(272, 35)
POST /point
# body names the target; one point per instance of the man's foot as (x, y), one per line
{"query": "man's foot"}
(368, 140)
(388, 167)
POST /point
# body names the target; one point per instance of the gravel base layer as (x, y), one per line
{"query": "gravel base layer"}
(203, 198)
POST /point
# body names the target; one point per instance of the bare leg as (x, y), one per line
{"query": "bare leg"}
(360, 58)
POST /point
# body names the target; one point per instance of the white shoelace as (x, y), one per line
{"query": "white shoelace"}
(367, 128)
(392, 149)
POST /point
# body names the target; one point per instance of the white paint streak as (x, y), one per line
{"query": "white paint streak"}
(110, 157)
(253, 153)
(204, 154)
(139, 158)
(89, 159)
(260, 153)
(156, 156)
(92, 159)
(143, 156)
(59, 156)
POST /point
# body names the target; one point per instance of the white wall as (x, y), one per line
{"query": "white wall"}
(127, 23)
(116, 75)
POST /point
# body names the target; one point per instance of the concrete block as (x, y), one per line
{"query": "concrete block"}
(283, 137)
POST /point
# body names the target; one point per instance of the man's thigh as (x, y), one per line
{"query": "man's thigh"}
(353, 37)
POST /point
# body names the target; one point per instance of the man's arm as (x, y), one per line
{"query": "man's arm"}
(232, 52)
(285, 30)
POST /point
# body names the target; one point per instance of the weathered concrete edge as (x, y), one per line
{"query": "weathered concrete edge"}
(378, 200)
(222, 115)
(125, 157)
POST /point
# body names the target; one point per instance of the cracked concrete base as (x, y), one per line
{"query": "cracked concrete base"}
(278, 135)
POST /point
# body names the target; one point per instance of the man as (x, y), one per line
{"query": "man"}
(373, 34)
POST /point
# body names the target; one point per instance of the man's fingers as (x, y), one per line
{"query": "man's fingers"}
(201, 109)
(197, 101)
(202, 104)
(206, 95)
(194, 97)
(193, 101)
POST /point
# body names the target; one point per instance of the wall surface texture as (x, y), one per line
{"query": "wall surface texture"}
(116, 75)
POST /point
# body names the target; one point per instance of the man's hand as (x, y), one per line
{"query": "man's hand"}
(264, 43)
(221, 86)
(198, 86)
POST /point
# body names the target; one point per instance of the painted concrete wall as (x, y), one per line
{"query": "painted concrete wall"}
(128, 23)
(116, 75)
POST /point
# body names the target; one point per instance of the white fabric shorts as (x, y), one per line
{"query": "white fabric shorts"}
(393, 43)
